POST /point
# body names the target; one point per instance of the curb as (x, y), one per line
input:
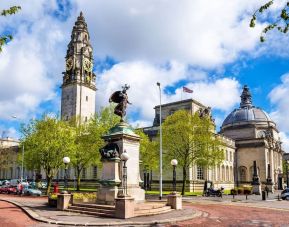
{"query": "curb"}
(33, 215)
(238, 204)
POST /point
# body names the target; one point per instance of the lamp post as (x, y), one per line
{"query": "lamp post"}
(66, 161)
(124, 157)
(174, 163)
(161, 144)
(22, 161)
(287, 179)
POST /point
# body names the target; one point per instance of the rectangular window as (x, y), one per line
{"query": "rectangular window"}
(84, 173)
(86, 98)
(95, 172)
(200, 173)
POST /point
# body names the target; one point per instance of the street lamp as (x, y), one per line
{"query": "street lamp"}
(22, 161)
(174, 163)
(287, 179)
(124, 157)
(161, 144)
(65, 160)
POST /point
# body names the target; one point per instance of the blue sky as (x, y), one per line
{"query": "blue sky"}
(139, 43)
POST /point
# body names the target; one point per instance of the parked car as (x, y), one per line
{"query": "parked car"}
(285, 194)
(30, 190)
(11, 190)
(4, 189)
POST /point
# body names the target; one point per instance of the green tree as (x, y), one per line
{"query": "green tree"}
(46, 142)
(280, 22)
(190, 139)
(88, 141)
(6, 38)
(148, 151)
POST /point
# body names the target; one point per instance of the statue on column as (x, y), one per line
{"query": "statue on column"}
(121, 98)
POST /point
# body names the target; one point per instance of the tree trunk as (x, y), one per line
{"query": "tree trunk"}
(184, 180)
(78, 179)
(49, 179)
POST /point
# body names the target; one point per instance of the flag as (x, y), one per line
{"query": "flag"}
(185, 89)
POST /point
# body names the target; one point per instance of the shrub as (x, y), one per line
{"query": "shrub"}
(233, 192)
(84, 195)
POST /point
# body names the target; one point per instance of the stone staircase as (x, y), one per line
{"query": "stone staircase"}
(93, 209)
(141, 209)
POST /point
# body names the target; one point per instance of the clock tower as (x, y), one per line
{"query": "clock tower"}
(78, 87)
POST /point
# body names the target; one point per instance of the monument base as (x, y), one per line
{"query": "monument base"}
(137, 193)
(175, 201)
(107, 195)
(124, 207)
(63, 201)
(256, 189)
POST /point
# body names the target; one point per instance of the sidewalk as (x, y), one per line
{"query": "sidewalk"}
(38, 210)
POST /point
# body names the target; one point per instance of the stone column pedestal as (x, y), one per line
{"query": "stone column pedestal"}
(63, 201)
(124, 207)
(175, 201)
(109, 182)
(256, 189)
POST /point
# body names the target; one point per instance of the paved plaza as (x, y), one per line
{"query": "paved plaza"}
(198, 211)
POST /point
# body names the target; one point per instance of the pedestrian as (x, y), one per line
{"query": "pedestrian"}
(267, 190)
(20, 188)
(55, 187)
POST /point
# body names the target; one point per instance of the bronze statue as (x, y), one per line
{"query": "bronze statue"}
(121, 98)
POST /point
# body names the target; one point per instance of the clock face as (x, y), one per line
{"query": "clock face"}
(87, 65)
(69, 64)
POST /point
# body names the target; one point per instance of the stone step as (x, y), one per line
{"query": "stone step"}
(92, 209)
(154, 211)
(94, 213)
(149, 206)
(96, 206)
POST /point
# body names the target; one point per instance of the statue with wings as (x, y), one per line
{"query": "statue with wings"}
(121, 98)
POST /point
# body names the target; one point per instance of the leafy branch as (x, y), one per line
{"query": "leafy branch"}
(6, 38)
(281, 22)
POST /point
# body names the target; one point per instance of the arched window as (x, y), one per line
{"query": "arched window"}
(223, 173)
(243, 173)
(94, 172)
(200, 173)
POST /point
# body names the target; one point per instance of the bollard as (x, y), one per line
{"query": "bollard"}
(246, 197)
(233, 196)
(278, 197)
(263, 195)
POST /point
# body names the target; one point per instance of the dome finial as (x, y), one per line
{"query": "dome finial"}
(80, 17)
(246, 97)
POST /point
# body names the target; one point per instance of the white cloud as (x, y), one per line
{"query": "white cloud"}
(31, 65)
(285, 141)
(221, 94)
(142, 35)
(202, 32)
(280, 110)
(280, 103)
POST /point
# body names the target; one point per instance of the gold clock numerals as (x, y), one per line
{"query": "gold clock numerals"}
(87, 65)
(69, 64)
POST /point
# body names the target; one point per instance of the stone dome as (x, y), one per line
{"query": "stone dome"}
(247, 113)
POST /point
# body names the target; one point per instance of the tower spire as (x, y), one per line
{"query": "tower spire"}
(246, 97)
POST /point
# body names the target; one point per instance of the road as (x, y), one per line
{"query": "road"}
(12, 216)
(231, 215)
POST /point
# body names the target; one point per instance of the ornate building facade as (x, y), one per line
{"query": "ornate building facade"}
(221, 175)
(257, 139)
(78, 87)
